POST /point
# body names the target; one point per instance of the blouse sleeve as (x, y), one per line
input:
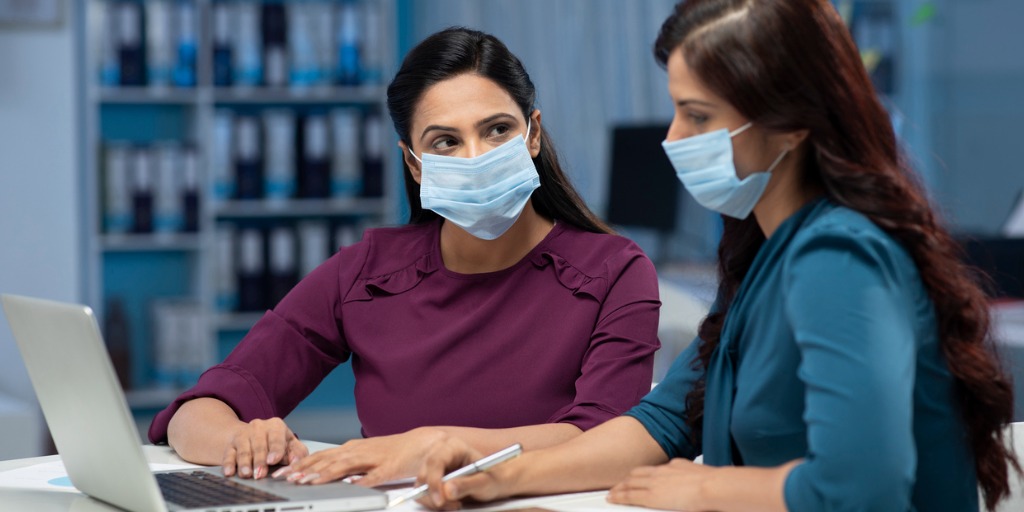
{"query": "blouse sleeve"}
(286, 354)
(848, 302)
(662, 411)
(619, 363)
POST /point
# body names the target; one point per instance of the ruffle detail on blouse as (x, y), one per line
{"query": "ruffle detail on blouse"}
(571, 277)
(392, 283)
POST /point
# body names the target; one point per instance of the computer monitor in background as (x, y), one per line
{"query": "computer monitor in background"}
(643, 189)
(1002, 260)
(1013, 226)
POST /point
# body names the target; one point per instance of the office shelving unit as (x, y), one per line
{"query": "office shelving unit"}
(140, 268)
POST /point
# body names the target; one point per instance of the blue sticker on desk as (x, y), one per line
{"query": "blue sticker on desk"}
(62, 481)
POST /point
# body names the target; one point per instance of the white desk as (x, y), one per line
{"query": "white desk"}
(34, 500)
(47, 501)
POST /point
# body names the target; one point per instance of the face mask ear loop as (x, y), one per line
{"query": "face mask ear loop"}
(777, 160)
(741, 129)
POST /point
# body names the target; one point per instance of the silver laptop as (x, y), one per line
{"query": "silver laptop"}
(96, 437)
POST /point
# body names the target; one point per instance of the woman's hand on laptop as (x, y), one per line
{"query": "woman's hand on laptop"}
(377, 459)
(259, 444)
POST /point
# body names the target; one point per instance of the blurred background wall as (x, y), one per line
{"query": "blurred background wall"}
(950, 73)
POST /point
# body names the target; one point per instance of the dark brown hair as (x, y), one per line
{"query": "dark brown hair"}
(456, 51)
(791, 66)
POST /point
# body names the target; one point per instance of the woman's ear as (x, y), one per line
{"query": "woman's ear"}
(533, 140)
(790, 140)
(414, 165)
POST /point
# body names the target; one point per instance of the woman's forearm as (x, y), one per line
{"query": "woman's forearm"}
(202, 429)
(596, 459)
(532, 437)
(747, 488)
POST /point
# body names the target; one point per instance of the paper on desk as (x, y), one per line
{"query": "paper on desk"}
(587, 502)
(53, 477)
(562, 502)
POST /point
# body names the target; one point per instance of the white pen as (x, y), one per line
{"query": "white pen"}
(481, 465)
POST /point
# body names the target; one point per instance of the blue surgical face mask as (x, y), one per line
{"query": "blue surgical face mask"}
(704, 164)
(483, 195)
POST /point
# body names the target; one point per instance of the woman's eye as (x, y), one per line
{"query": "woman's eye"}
(498, 130)
(697, 118)
(443, 143)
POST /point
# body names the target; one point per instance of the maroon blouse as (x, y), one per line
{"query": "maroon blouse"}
(567, 334)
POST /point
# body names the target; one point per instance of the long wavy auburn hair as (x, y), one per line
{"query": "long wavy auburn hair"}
(792, 65)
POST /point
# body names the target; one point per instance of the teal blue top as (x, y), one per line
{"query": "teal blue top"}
(830, 354)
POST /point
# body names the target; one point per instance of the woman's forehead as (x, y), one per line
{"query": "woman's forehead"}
(463, 98)
(683, 83)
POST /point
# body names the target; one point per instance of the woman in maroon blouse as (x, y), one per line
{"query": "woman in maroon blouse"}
(505, 311)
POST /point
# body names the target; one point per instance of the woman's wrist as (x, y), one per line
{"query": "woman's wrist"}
(713, 488)
(427, 436)
(741, 487)
(513, 477)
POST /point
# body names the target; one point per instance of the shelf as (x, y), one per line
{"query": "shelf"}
(298, 95)
(297, 208)
(147, 95)
(150, 242)
(236, 321)
(140, 268)
(241, 95)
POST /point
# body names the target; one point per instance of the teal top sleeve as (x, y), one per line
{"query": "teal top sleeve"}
(830, 355)
(847, 301)
(662, 411)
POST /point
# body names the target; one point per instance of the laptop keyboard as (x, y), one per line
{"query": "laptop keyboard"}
(201, 489)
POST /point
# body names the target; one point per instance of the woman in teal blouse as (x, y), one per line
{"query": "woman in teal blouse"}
(844, 365)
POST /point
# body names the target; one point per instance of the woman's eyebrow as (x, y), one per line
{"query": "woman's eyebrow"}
(492, 118)
(438, 128)
(685, 102)
(486, 120)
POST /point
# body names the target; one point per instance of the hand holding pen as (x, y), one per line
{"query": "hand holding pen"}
(475, 467)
